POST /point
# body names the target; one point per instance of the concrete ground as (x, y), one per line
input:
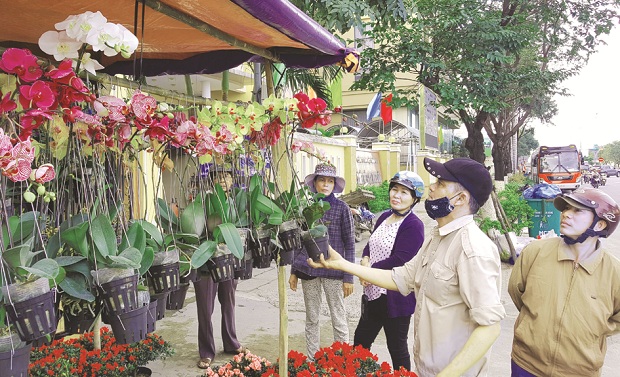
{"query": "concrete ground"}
(258, 324)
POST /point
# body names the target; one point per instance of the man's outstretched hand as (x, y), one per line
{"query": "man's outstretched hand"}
(334, 262)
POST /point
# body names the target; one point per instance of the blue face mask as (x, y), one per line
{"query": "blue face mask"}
(438, 208)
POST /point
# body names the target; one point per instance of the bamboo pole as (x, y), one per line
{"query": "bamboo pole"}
(210, 30)
(283, 299)
(501, 216)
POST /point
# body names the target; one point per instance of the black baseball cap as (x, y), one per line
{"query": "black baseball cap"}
(469, 173)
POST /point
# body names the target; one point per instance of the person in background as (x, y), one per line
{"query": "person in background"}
(206, 289)
(456, 276)
(396, 239)
(567, 291)
(335, 284)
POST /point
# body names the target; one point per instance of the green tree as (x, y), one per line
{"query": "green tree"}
(458, 147)
(611, 152)
(526, 142)
(494, 64)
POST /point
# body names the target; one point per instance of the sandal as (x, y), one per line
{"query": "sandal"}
(241, 349)
(204, 363)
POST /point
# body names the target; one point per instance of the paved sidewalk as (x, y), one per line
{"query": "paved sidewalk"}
(258, 324)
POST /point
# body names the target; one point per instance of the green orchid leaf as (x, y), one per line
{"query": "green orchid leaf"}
(103, 236)
(231, 237)
(25, 227)
(203, 253)
(75, 237)
(193, 219)
(152, 231)
(147, 260)
(75, 286)
(134, 237)
(18, 256)
(129, 258)
(45, 268)
(53, 246)
(165, 216)
(75, 264)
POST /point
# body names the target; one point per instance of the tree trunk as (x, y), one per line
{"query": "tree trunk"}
(475, 140)
(501, 158)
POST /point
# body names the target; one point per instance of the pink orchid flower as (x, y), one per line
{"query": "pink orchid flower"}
(38, 95)
(43, 173)
(22, 63)
(7, 104)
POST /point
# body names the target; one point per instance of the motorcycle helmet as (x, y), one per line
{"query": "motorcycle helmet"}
(603, 206)
(410, 180)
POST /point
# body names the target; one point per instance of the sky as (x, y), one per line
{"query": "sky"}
(591, 115)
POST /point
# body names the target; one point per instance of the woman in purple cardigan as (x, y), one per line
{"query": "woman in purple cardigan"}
(397, 237)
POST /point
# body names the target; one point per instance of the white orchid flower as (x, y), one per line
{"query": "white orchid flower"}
(88, 64)
(60, 45)
(105, 38)
(128, 42)
(78, 27)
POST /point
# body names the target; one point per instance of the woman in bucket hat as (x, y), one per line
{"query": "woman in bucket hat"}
(567, 291)
(396, 239)
(336, 284)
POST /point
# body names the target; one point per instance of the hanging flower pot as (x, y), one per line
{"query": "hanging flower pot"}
(221, 264)
(262, 249)
(35, 317)
(130, 327)
(164, 277)
(176, 298)
(15, 363)
(285, 257)
(246, 272)
(120, 295)
(191, 276)
(162, 299)
(151, 316)
(290, 235)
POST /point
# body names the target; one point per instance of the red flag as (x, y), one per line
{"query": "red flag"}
(386, 109)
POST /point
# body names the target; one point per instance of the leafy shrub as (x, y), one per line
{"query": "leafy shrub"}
(382, 197)
(518, 212)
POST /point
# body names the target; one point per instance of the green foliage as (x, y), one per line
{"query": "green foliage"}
(526, 143)
(313, 214)
(382, 197)
(487, 224)
(611, 152)
(518, 212)
(504, 66)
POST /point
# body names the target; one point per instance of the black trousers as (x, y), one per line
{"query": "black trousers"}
(396, 332)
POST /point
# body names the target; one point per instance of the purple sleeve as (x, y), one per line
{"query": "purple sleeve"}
(408, 241)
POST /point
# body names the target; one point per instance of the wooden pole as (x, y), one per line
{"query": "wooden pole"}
(283, 300)
(501, 216)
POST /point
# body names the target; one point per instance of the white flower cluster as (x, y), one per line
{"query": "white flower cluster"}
(92, 29)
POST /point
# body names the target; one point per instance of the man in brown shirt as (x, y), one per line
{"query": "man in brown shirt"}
(567, 291)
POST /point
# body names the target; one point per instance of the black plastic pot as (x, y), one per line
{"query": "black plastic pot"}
(317, 246)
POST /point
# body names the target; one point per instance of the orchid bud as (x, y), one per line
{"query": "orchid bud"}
(29, 197)
(41, 190)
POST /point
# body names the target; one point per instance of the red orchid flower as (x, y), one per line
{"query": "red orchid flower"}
(31, 120)
(38, 95)
(22, 63)
(7, 104)
(64, 69)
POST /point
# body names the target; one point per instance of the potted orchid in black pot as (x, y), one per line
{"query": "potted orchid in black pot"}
(316, 238)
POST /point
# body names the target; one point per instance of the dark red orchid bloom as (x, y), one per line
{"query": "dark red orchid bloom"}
(159, 130)
(64, 69)
(71, 114)
(22, 63)
(38, 95)
(7, 104)
(31, 120)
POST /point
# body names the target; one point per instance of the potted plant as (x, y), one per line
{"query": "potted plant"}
(316, 238)
(292, 203)
(26, 276)
(265, 214)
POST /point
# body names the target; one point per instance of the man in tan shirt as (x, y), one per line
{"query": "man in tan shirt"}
(567, 291)
(455, 276)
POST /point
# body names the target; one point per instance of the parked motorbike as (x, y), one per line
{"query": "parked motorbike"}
(362, 221)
